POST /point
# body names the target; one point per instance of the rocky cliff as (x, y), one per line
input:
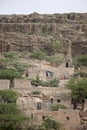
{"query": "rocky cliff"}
(29, 32)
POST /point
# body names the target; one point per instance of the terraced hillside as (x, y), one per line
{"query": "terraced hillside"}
(36, 31)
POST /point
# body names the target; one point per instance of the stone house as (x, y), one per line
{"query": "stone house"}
(69, 118)
(46, 71)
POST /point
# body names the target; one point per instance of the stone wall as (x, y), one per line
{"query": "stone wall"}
(22, 84)
(4, 84)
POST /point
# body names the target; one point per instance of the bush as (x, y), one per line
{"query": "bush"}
(55, 59)
(57, 107)
(20, 67)
(52, 83)
(81, 61)
(9, 74)
(40, 55)
(50, 124)
(81, 74)
(56, 46)
(36, 81)
(11, 55)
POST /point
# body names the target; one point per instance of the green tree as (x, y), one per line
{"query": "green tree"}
(9, 74)
(78, 89)
(8, 96)
(50, 124)
(20, 67)
(11, 117)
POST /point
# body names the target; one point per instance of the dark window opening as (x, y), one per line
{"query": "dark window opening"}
(74, 103)
(67, 65)
(31, 115)
(38, 106)
(58, 101)
(68, 118)
(43, 118)
(12, 83)
(51, 99)
(27, 74)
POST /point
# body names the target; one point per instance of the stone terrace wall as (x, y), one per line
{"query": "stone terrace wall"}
(24, 88)
(22, 84)
(4, 84)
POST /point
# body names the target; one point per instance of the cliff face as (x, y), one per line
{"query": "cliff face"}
(29, 32)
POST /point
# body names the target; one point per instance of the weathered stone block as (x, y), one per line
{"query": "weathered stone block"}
(21, 84)
(4, 84)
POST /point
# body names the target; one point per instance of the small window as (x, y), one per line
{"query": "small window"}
(67, 64)
(43, 117)
(38, 106)
(31, 115)
(68, 118)
(51, 99)
(58, 101)
(49, 74)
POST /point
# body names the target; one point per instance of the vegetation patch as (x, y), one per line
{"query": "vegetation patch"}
(10, 55)
(50, 124)
(36, 92)
(78, 89)
(81, 74)
(57, 107)
(40, 55)
(81, 61)
(52, 83)
(20, 67)
(9, 74)
(11, 117)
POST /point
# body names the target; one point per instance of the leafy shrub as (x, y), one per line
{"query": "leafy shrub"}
(50, 124)
(81, 74)
(11, 55)
(36, 81)
(20, 67)
(56, 46)
(81, 60)
(55, 59)
(9, 74)
(52, 83)
(40, 55)
(57, 107)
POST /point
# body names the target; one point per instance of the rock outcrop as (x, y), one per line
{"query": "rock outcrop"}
(29, 32)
